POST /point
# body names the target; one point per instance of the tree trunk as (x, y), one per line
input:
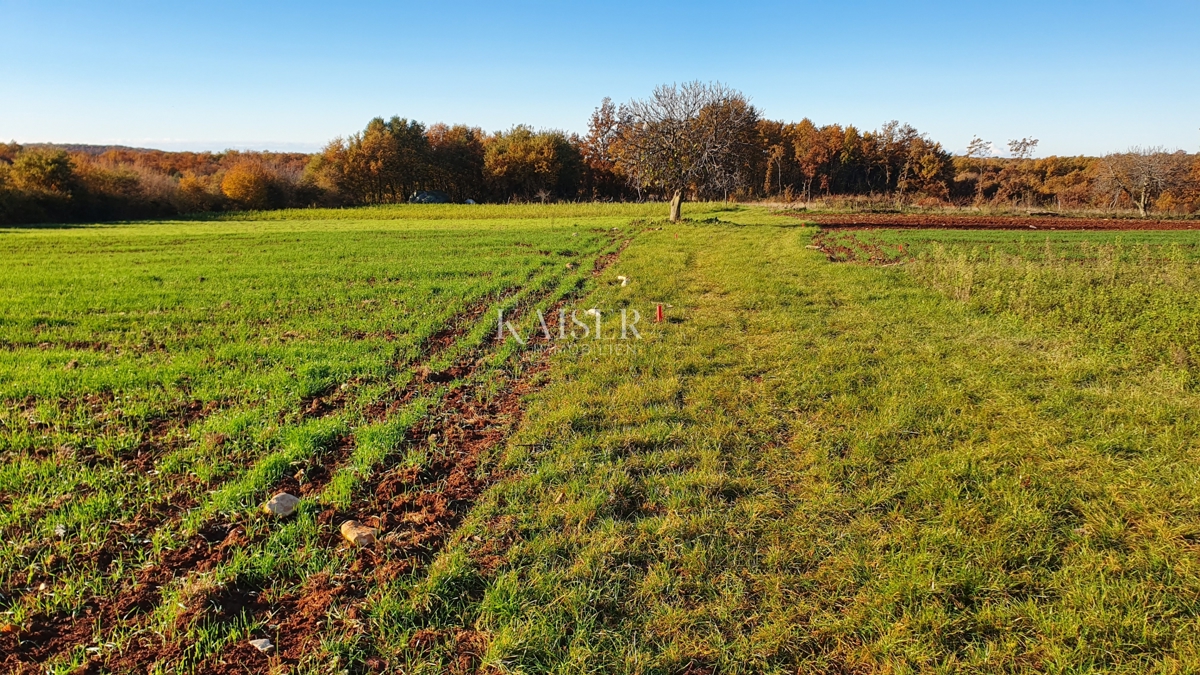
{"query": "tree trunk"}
(676, 203)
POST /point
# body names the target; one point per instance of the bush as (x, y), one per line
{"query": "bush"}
(249, 185)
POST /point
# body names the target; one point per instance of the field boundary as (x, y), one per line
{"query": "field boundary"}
(937, 221)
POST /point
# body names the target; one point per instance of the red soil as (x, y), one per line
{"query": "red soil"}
(415, 510)
(936, 221)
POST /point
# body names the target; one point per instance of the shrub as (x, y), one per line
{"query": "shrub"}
(248, 184)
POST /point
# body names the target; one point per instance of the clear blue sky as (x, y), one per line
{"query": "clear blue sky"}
(1084, 77)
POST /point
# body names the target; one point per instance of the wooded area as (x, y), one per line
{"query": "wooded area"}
(695, 141)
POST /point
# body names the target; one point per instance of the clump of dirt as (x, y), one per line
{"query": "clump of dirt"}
(846, 247)
(937, 221)
(603, 262)
(465, 646)
(294, 626)
(49, 636)
(315, 473)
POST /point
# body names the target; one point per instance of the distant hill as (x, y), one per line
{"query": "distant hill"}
(84, 148)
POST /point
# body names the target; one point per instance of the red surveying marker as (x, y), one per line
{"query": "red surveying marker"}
(658, 315)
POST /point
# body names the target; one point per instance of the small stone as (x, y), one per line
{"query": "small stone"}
(624, 280)
(358, 534)
(262, 644)
(72, 364)
(281, 505)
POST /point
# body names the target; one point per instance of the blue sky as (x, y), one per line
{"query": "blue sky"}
(1084, 77)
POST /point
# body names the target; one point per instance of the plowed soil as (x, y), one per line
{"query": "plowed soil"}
(414, 509)
(935, 221)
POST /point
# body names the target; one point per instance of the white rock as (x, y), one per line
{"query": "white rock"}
(263, 645)
(358, 534)
(624, 280)
(281, 505)
(592, 312)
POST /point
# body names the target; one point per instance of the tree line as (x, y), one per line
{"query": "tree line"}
(691, 141)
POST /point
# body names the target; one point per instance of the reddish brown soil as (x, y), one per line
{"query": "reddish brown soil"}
(839, 247)
(47, 636)
(932, 221)
(604, 261)
(414, 511)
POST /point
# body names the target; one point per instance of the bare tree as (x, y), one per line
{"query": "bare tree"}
(687, 137)
(1142, 174)
(1022, 149)
(979, 148)
(774, 157)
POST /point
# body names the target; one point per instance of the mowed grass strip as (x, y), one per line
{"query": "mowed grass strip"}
(822, 467)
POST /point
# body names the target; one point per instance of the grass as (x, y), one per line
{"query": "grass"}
(157, 377)
(473, 212)
(827, 468)
(980, 460)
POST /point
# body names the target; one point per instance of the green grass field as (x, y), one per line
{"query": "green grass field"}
(953, 452)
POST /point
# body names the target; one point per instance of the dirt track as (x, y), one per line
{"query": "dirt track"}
(935, 221)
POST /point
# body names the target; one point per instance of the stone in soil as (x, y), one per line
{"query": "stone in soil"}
(281, 505)
(263, 645)
(358, 534)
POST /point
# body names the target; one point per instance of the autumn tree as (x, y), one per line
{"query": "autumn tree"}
(691, 137)
(248, 184)
(47, 172)
(1192, 189)
(888, 152)
(1017, 181)
(456, 161)
(775, 154)
(1142, 175)
(979, 150)
(602, 179)
(521, 163)
(9, 152)
(926, 170)
(384, 164)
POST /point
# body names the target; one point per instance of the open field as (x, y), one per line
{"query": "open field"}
(905, 451)
(160, 380)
